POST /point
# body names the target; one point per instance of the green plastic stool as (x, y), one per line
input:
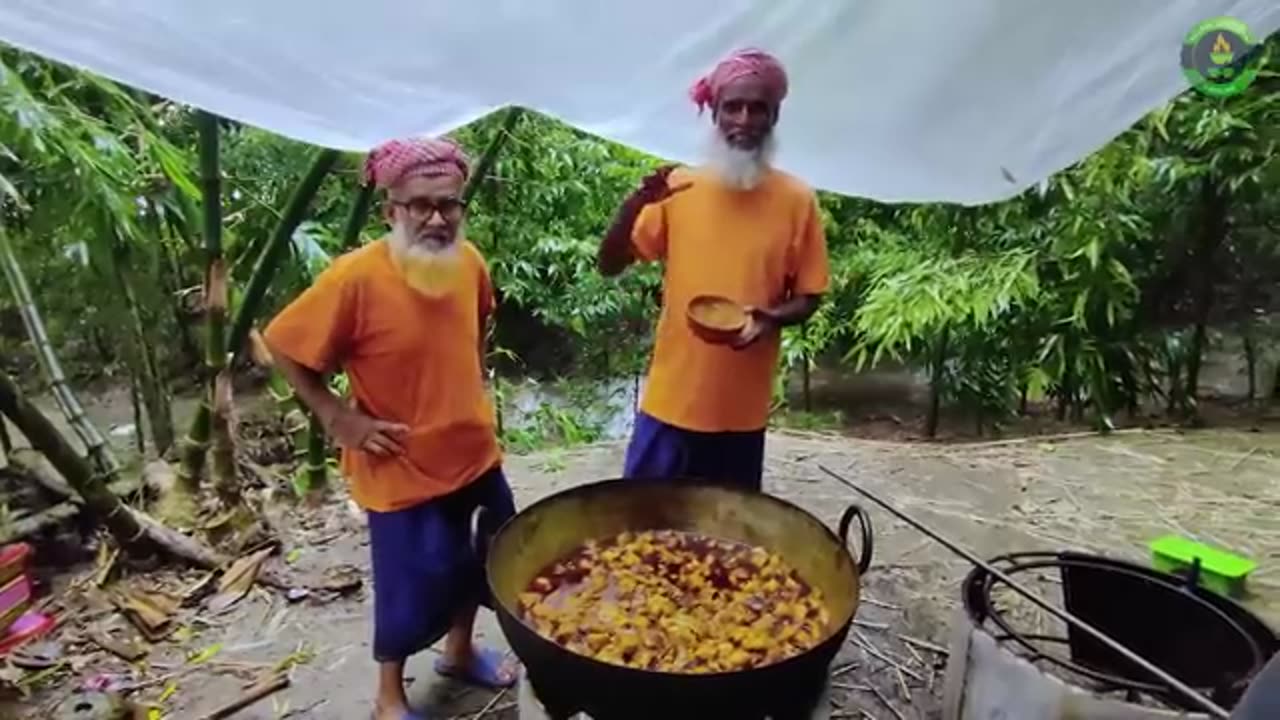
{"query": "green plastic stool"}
(1220, 571)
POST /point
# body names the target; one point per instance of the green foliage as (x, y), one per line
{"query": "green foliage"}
(551, 426)
(554, 192)
(1093, 290)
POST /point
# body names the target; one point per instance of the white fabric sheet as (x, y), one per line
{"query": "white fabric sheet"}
(967, 101)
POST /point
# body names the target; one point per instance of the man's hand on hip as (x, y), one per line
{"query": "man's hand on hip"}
(354, 430)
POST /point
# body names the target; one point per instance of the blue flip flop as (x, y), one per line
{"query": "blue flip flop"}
(484, 670)
(408, 715)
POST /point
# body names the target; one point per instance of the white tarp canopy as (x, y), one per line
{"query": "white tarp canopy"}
(967, 101)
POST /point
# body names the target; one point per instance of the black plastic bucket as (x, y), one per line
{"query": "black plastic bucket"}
(1207, 641)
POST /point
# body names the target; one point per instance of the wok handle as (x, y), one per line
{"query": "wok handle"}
(479, 538)
(867, 544)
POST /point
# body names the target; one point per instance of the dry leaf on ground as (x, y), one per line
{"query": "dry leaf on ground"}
(151, 612)
(238, 579)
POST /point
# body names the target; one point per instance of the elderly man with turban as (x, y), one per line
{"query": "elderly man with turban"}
(735, 227)
(405, 318)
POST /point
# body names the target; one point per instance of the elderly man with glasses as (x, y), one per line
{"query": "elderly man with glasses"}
(405, 318)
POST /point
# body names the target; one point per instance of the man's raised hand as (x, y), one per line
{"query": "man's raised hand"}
(655, 187)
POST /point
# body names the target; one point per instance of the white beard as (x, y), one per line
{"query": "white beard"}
(411, 251)
(737, 168)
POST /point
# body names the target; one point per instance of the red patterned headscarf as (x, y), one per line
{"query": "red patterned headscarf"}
(749, 61)
(398, 160)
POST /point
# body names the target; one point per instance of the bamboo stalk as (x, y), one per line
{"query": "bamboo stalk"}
(135, 402)
(202, 427)
(317, 456)
(195, 446)
(215, 297)
(149, 378)
(94, 442)
(37, 467)
(222, 449)
(133, 529)
(6, 443)
(358, 216)
(264, 270)
(490, 155)
(90, 484)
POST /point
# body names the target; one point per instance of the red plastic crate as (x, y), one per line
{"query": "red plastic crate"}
(13, 561)
(15, 599)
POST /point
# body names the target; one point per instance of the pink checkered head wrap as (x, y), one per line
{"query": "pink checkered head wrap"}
(749, 61)
(397, 160)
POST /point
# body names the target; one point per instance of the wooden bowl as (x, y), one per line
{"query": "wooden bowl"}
(716, 319)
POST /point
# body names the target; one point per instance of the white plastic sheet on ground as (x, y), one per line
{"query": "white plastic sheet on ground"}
(899, 100)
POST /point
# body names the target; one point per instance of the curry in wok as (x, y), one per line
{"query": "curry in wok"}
(676, 601)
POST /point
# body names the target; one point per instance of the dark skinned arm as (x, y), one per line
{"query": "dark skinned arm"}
(350, 427)
(615, 249)
(312, 388)
(794, 310)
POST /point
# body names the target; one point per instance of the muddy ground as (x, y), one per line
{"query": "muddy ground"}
(1108, 495)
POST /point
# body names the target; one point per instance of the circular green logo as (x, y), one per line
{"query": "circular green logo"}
(1220, 57)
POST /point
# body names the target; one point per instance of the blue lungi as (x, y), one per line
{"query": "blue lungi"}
(424, 568)
(658, 450)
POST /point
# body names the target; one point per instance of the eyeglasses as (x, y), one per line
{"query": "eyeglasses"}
(421, 208)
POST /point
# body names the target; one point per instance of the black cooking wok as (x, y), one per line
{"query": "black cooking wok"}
(567, 682)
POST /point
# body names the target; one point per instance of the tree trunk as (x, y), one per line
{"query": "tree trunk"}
(148, 375)
(1213, 230)
(1067, 383)
(40, 469)
(935, 385)
(1177, 398)
(1251, 361)
(135, 402)
(132, 529)
(806, 382)
(172, 283)
(94, 442)
(89, 483)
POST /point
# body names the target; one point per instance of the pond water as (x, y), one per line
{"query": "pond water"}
(608, 405)
(552, 412)
(891, 391)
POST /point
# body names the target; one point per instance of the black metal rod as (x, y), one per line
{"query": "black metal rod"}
(1173, 682)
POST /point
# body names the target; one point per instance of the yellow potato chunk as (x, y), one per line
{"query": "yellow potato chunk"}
(675, 602)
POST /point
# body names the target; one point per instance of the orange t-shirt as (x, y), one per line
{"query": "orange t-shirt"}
(757, 247)
(410, 359)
